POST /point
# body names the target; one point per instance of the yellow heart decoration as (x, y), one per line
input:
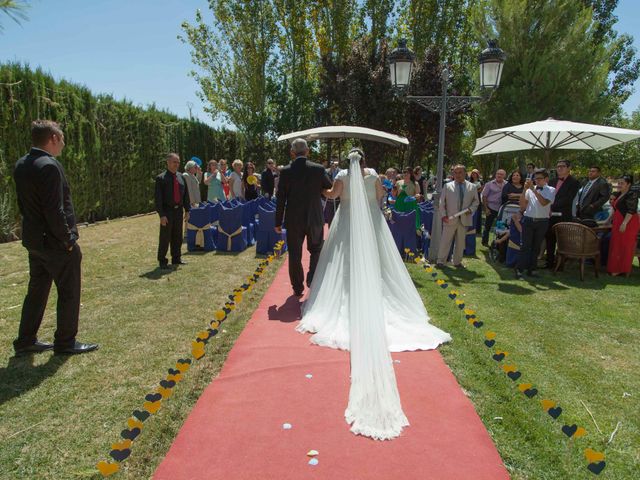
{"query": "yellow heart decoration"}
(133, 423)
(417, 260)
(439, 281)
(214, 324)
(219, 314)
(183, 367)
(407, 250)
(165, 392)
(468, 311)
(547, 404)
(122, 445)
(204, 335)
(197, 350)
(509, 368)
(176, 378)
(580, 432)
(107, 468)
(152, 407)
(232, 306)
(593, 456)
(237, 298)
(428, 270)
(524, 387)
(472, 321)
(490, 335)
(459, 302)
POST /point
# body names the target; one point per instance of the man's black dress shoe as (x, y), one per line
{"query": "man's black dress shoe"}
(179, 262)
(37, 347)
(165, 266)
(298, 293)
(76, 349)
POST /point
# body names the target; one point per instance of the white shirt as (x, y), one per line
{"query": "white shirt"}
(534, 208)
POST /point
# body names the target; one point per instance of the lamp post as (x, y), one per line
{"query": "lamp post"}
(400, 69)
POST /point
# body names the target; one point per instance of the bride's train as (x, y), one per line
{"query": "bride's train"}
(362, 299)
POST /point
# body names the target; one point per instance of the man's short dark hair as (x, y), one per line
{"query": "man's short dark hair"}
(541, 171)
(596, 167)
(42, 131)
(531, 165)
(567, 163)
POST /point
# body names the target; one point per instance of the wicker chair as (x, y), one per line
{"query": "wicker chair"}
(576, 241)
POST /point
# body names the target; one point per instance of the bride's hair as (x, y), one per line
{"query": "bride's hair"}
(363, 162)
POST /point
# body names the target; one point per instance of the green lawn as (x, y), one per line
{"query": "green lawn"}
(60, 415)
(574, 341)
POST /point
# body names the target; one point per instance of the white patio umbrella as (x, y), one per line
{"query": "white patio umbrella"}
(347, 132)
(551, 135)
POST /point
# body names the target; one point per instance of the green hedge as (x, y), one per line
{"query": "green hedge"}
(114, 148)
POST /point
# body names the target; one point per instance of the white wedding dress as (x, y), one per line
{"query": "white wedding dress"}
(362, 299)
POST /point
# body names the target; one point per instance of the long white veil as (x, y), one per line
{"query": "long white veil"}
(374, 408)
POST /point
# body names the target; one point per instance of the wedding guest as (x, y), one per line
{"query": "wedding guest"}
(267, 179)
(513, 188)
(50, 235)
(225, 172)
(193, 186)
(249, 182)
(408, 183)
(566, 187)
(214, 180)
(491, 202)
(531, 168)
(624, 231)
(458, 203)
(235, 180)
(171, 199)
(333, 169)
(421, 179)
(593, 195)
(535, 202)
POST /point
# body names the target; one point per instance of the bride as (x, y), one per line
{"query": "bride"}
(362, 299)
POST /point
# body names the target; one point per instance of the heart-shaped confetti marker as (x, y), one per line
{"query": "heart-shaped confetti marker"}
(130, 434)
(219, 315)
(444, 285)
(214, 324)
(173, 371)
(106, 468)
(141, 415)
(153, 397)
(596, 467)
(478, 324)
(489, 343)
(167, 383)
(514, 375)
(197, 350)
(592, 456)
(499, 356)
(569, 430)
(547, 404)
(134, 423)
(452, 296)
(122, 445)
(165, 392)
(152, 407)
(581, 432)
(175, 378)
(532, 392)
(524, 387)
(509, 368)
(555, 412)
(120, 455)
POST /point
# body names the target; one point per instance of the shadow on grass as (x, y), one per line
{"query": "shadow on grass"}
(21, 375)
(288, 312)
(156, 274)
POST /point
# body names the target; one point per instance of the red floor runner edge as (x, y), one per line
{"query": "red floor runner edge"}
(235, 430)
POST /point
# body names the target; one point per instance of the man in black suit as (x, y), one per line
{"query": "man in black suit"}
(593, 195)
(268, 178)
(567, 188)
(299, 202)
(50, 235)
(171, 198)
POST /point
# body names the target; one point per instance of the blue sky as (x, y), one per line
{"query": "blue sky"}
(130, 49)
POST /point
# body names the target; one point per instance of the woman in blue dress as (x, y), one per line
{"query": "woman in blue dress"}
(214, 180)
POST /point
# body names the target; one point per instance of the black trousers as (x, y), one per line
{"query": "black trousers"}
(491, 216)
(45, 267)
(171, 233)
(551, 238)
(295, 238)
(533, 234)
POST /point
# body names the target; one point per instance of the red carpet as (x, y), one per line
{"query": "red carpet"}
(235, 430)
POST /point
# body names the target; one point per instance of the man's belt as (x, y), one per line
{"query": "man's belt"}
(199, 232)
(230, 235)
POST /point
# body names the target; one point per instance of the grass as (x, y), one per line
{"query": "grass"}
(60, 415)
(574, 341)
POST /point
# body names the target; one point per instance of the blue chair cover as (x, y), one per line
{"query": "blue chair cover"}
(248, 221)
(200, 218)
(403, 229)
(230, 235)
(265, 235)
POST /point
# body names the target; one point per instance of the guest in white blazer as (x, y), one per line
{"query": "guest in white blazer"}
(458, 203)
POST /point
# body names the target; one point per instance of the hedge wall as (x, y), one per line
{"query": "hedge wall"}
(113, 151)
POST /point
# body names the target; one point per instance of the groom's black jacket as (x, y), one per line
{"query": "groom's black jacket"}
(299, 189)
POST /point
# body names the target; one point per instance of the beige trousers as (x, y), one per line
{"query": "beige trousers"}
(453, 229)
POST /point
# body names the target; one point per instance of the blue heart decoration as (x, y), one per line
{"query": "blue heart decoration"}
(596, 467)
(478, 324)
(531, 392)
(167, 383)
(514, 375)
(555, 412)
(498, 356)
(130, 434)
(141, 415)
(489, 343)
(120, 455)
(461, 306)
(569, 430)
(153, 397)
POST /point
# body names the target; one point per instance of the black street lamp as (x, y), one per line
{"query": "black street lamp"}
(401, 67)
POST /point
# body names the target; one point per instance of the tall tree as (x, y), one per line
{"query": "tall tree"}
(14, 9)
(234, 55)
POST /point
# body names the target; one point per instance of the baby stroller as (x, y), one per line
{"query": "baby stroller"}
(498, 250)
